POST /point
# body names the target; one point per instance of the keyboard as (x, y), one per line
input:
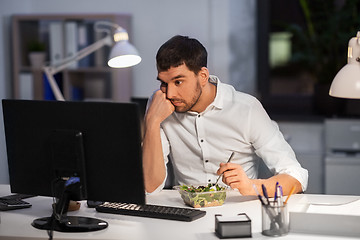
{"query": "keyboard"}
(13, 203)
(152, 211)
(17, 196)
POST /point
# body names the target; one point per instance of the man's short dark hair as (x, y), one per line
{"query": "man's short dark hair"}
(181, 50)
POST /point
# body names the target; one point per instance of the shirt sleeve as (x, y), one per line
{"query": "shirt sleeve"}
(270, 145)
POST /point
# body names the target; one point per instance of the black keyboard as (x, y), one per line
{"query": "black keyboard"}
(17, 196)
(13, 203)
(152, 211)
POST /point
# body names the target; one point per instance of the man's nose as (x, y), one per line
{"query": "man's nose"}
(170, 92)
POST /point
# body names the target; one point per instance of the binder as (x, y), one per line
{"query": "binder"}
(71, 41)
(100, 53)
(26, 86)
(48, 93)
(85, 38)
(56, 42)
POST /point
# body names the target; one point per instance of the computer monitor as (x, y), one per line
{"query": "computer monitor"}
(74, 151)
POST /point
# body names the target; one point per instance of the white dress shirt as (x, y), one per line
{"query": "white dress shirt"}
(197, 143)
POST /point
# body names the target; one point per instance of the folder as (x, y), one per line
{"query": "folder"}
(56, 42)
(85, 38)
(71, 41)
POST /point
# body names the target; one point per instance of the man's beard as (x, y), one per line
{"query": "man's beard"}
(190, 105)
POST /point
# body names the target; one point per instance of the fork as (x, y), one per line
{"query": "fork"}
(217, 180)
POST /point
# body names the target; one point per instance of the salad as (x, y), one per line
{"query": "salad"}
(203, 196)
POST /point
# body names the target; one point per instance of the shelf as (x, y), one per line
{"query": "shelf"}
(43, 28)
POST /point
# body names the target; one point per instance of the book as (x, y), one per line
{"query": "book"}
(26, 86)
(48, 93)
(85, 38)
(56, 42)
(71, 42)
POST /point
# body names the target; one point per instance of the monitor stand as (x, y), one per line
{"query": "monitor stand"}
(59, 221)
(70, 224)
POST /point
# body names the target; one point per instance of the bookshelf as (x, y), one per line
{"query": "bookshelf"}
(89, 79)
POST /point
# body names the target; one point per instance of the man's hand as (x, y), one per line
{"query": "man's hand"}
(160, 108)
(236, 178)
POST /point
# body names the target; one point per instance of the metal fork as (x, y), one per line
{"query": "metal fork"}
(217, 180)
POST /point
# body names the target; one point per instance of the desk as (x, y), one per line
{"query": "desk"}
(16, 224)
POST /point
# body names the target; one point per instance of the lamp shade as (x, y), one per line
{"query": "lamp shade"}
(123, 54)
(346, 83)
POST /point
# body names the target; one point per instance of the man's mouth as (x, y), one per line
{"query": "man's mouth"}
(176, 103)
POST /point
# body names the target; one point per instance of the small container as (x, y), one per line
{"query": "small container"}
(202, 199)
(232, 226)
(275, 220)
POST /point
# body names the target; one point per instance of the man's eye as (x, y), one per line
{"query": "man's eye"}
(178, 82)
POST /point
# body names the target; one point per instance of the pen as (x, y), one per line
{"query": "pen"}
(291, 192)
(279, 198)
(281, 195)
(261, 198)
(265, 194)
(276, 191)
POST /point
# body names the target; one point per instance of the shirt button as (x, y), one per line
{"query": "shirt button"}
(202, 140)
(206, 160)
(198, 115)
(209, 180)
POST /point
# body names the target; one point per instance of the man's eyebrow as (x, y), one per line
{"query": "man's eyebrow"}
(178, 76)
(172, 79)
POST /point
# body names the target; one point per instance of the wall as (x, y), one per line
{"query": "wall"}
(212, 22)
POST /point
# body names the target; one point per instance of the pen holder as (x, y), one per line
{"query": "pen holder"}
(275, 220)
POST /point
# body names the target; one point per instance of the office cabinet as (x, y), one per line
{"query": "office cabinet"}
(64, 34)
(342, 161)
(307, 141)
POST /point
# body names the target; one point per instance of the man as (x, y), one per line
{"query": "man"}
(196, 122)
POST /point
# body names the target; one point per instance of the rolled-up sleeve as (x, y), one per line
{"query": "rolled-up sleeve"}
(271, 146)
(280, 158)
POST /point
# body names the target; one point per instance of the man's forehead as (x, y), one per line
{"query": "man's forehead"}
(173, 73)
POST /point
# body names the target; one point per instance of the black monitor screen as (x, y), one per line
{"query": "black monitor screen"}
(99, 142)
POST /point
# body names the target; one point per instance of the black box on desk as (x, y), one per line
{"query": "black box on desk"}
(232, 226)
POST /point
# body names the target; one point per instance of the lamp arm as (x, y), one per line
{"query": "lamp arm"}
(54, 87)
(80, 54)
(51, 70)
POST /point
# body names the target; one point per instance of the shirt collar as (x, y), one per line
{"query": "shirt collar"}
(219, 98)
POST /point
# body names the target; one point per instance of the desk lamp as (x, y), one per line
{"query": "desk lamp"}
(122, 54)
(346, 83)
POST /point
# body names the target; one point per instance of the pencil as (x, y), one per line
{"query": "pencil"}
(291, 192)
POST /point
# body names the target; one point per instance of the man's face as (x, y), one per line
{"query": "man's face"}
(181, 86)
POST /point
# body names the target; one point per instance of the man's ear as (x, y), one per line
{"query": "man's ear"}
(204, 76)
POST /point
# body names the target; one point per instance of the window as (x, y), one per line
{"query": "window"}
(301, 46)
